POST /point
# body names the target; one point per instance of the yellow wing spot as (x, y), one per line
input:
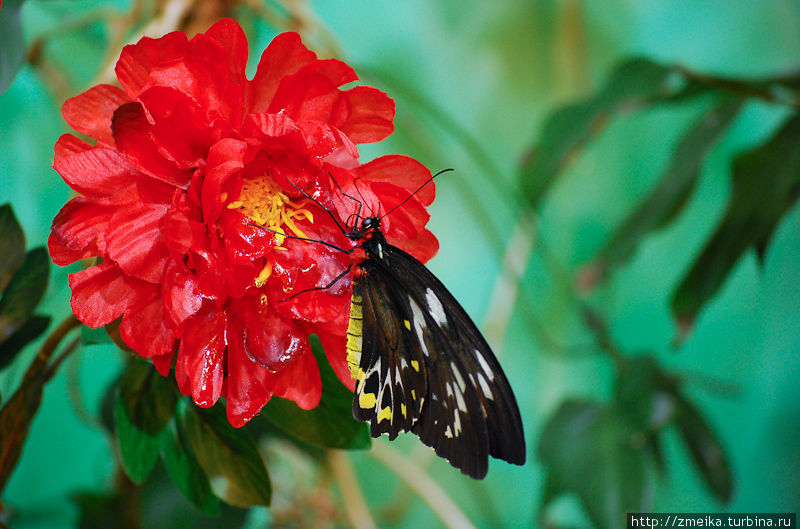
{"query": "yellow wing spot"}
(415, 365)
(386, 413)
(366, 400)
(403, 409)
(413, 395)
(407, 324)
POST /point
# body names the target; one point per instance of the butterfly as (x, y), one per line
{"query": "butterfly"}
(420, 363)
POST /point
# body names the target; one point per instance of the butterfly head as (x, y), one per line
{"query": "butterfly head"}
(368, 226)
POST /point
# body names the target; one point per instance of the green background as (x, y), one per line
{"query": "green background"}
(495, 70)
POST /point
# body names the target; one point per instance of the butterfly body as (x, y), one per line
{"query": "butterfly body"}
(420, 363)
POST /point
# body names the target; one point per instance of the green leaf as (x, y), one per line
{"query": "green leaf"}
(766, 182)
(644, 393)
(589, 450)
(148, 397)
(12, 244)
(30, 330)
(12, 47)
(185, 471)
(91, 336)
(633, 83)
(98, 510)
(24, 292)
(675, 185)
(228, 456)
(139, 449)
(706, 450)
(15, 422)
(329, 425)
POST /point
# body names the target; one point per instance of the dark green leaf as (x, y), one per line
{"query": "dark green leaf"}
(30, 330)
(12, 244)
(228, 456)
(24, 292)
(138, 448)
(15, 422)
(91, 336)
(101, 511)
(148, 397)
(633, 83)
(185, 471)
(589, 450)
(12, 47)
(675, 186)
(706, 450)
(766, 182)
(644, 394)
(329, 425)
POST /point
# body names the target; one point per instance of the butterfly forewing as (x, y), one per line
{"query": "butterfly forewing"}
(459, 401)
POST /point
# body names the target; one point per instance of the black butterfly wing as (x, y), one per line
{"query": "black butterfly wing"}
(464, 407)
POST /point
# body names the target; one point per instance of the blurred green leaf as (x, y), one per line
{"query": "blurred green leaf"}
(228, 456)
(102, 511)
(185, 471)
(766, 182)
(589, 450)
(644, 393)
(91, 336)
(675, 186)
(139, 449)
(706, 450)
(30, 330)
(24, 292)
(15, 421)
(148, 397)
(12, 244)
(329, 425)
(634, 82)
(12, 46)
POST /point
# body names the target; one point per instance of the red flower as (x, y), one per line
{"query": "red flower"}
(191, 159)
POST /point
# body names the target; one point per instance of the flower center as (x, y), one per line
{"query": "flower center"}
(262, 200)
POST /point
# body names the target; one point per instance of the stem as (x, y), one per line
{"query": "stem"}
(50, 345)
(355, 506)
(424, 486)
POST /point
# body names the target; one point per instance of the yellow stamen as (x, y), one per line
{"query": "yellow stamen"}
(263, 201)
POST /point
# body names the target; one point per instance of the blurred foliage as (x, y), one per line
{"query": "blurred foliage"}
(661, 209)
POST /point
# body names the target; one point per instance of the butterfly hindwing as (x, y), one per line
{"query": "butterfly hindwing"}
(459, 401)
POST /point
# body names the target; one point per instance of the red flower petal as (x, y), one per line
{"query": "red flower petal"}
(334, 345)
(311, 93)
(77, 230)
(364, 113)
(149, 61)
(91, 111)
(68, 145)
(95, 172)
(199, 369)
(269, 341)
(228, 33)
(163, 362)
(100, 294)
(134, 240)
(225, 159)
(402, 171)
(424, 247)
(299, 381)
(245, 389)
(181, 292)
(132, 135)
(144, 327)
(284, 56)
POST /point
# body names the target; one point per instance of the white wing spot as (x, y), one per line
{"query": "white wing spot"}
(460, 380)
(487, 392)
(435, 308)
(448, 433)
(457, 423)
(484, 365)
(419, 324)
(461, 404)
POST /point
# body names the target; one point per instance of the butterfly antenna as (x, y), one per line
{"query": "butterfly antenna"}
(326, 243)
(351, 197)
(428, 181)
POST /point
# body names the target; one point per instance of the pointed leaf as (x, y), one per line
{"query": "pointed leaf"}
(676, 184)
(12, 245)
(15, 422)
(228, 456)
(644, 393)
(148, 397)
(24, 292)
(589, 450)
(329, 425)
(30, 330)
(12, 46)
(766, 182)
(185, 471)
(138, 448)
(634, 82)
(706, 450)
